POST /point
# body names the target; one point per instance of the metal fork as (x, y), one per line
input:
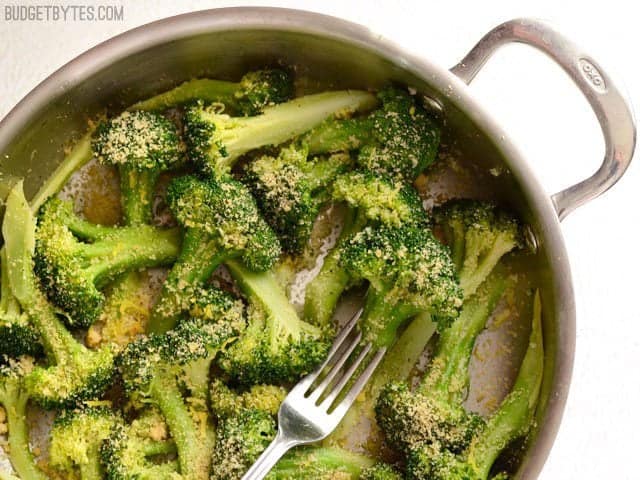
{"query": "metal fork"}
(308, 414)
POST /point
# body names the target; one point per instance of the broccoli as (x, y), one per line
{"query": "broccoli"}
(217, 314)
(75, 258)
(399, 139)
(320, 463)
(17, 335)
(512, 420)
(409, 273)
(141, 145)
(255, 91)
(371, 199)
(130, 451)
(434, 412)
(225, 402)
(74, 373)
(154, 369)
(241, 440)
(277, 345)
(14, 399)
(479, 234)
(221, 221)
(75, 441)
(290, 190)
(215, 140)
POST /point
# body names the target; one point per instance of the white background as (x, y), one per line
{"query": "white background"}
(542, 111)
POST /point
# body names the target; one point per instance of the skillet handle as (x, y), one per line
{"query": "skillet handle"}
(611, 108)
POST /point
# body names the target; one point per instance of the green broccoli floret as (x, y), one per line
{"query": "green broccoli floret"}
(73, 373)
(399, 139)
(141, 145)
(130, 452)
(380, 471)
(218, 315)
(409, 272)
(241, 440)
(14, 399)
(290, 190)
(319, 463)
(434, 412)
(154, 369)
(370, 199)
(215, 140)
(479, 234)
(277, 346)
(225, 402)
(255, 91)
(75, 441)
(221, 221)
(75, 259)
(17, 335)
(512, 420)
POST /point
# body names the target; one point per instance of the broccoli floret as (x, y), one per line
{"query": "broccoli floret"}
(17, 335)
(215, 140)
(75, 441)
(241, 440)
(380, 471)
(130, 451)
(479, 234)
(226, 402)
(320, 463)
(409, 272)
(221, 221)
(214, 313)
(154, 369)
(370, 199)
(75, 259)
(255, 91)
(14, 399)
(290, 190)
(277, 346)
(399, 139)
(73, 373)
(141, 145)
(512, 420)
(434, 412)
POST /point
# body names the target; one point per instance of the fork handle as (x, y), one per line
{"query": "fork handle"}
(269, 458)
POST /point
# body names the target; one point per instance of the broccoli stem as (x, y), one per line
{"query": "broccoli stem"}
(449, 371)
(516, 412)
(339, 135)
(197, 89)
(474, 271)
(130, 248)
(284, 121)
(92, 470)
(324, 291)
(320, 463)
(79, 155)
(263, 289)
(199, 257)
(193, 457)
(14, 401)
(137, 187)
(381, 319)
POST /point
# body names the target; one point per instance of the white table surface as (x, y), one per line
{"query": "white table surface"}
(545, 115)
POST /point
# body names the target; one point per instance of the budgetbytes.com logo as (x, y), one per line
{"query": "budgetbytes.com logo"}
(63, 13)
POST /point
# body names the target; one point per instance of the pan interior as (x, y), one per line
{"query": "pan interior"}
(471, 164)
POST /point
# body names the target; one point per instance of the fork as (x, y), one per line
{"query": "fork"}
(308, 413)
